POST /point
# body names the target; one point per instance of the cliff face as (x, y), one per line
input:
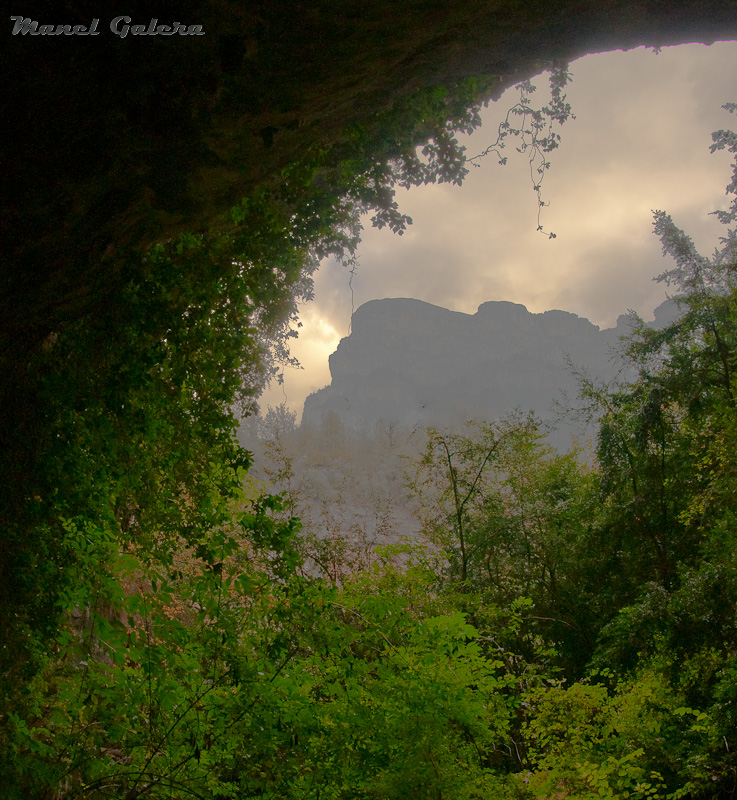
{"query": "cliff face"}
(415, 363)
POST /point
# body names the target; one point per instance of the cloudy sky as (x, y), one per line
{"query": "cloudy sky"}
(640, 141)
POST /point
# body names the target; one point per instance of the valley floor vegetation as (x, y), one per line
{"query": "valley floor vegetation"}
(554, 629)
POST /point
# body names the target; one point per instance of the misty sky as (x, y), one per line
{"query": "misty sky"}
(640, 141)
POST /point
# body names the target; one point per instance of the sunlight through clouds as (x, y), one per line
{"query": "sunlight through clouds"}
(317, 339)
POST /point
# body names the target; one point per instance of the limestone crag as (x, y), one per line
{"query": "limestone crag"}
(415, 363)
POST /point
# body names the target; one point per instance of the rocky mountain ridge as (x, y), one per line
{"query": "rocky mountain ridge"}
(415, 363)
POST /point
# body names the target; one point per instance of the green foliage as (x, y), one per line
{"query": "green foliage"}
(127, 416)
(534, 129)
(511, 516)
(230, 675)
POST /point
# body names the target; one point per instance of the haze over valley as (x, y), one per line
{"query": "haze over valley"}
(407, 366)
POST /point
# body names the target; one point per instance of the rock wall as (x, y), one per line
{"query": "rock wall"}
(418, 364)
